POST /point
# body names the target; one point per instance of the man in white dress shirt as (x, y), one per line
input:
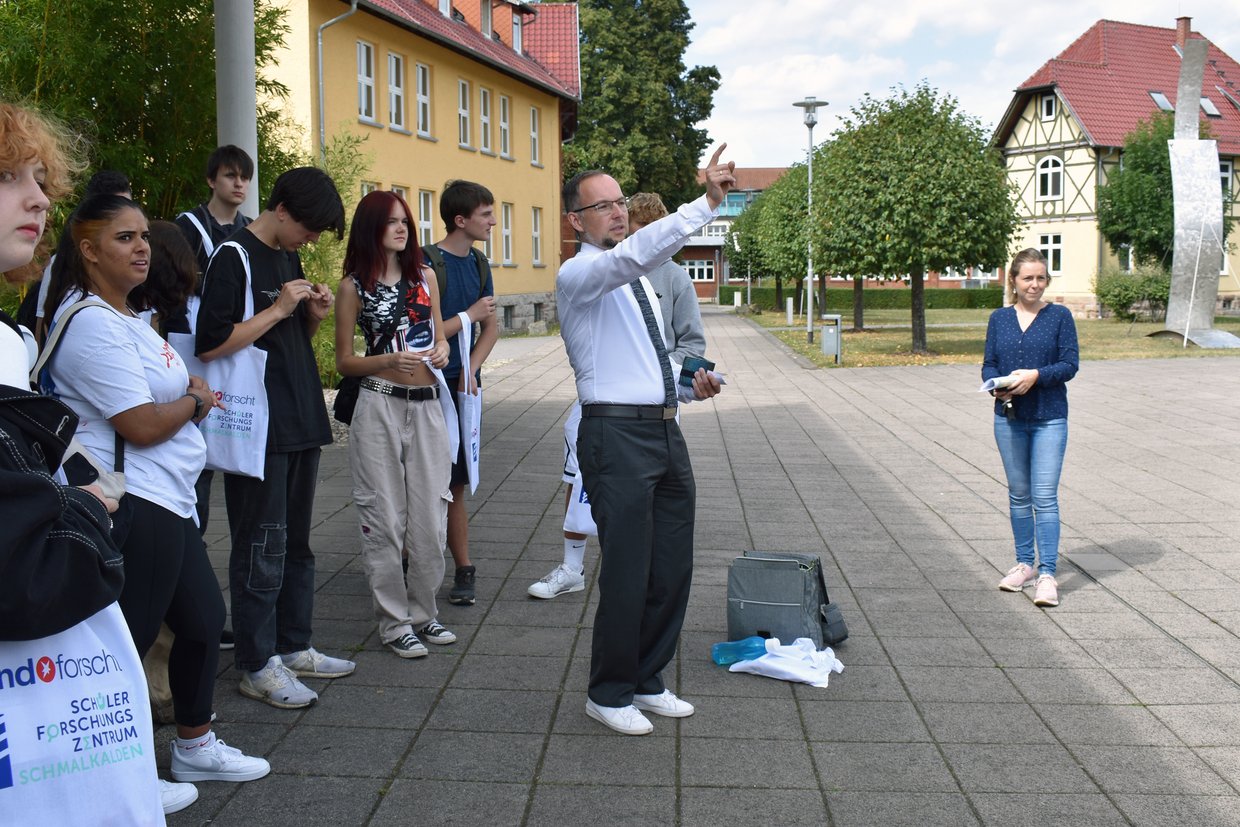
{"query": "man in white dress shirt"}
(633, 458)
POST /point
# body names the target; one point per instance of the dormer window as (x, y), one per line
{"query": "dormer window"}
(485, 18)
(445, 8)
(516, 33)
(1160, 100)
(1049, 107)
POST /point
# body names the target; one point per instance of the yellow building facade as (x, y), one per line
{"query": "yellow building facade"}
(437, 98)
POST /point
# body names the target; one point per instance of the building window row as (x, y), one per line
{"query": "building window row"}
(426, 224)
(367, 108)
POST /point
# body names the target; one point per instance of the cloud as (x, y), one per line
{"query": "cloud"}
(773, 52)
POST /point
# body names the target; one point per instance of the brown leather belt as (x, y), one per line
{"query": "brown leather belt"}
(422, 393)
(629, 411)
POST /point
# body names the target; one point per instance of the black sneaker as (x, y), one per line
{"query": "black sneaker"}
(407, 646)
(226, 639)
(462, 593)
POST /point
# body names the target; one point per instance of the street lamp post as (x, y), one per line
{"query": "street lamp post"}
(810, 105)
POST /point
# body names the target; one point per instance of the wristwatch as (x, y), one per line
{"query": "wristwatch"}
(198, 403)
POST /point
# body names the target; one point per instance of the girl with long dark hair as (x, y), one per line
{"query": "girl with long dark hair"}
(129, 387)
(399, 446)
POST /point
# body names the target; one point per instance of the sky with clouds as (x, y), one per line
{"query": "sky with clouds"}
(773, 52)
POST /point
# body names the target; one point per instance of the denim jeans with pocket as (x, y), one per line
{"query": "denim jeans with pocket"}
(1032, 452)
(271, 568)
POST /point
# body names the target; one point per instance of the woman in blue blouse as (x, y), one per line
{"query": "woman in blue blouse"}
(1034, 342)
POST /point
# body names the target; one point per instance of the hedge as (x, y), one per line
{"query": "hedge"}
(841, 298)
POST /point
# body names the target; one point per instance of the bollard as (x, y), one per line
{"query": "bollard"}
(789, 312)
(736, 299)
(832, 344)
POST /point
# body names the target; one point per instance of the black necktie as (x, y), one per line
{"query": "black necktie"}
(656, 339)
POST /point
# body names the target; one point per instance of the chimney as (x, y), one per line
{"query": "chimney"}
(1183, 28)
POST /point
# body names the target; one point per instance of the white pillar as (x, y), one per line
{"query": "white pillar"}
(236, 100)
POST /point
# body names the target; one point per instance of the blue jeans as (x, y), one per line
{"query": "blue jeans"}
(1032, 452)
(271, 568)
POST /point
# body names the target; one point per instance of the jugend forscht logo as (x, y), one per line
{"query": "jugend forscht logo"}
(80, 733)
(47, 669)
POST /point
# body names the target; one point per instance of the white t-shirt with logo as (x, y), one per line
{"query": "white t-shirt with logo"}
(108, 363)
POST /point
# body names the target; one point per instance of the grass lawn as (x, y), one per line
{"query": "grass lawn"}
(958, 336)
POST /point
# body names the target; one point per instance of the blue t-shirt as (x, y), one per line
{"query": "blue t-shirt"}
(1049, 345)
(460, 294)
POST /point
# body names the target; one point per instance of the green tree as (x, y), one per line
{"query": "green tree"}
(1135, 204)
(910, 185)
(640, 106)
(138, 79)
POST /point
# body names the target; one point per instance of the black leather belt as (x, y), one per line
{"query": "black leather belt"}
(629, 411)
(422, 393)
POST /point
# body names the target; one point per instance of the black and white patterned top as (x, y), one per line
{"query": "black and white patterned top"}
(415, 332)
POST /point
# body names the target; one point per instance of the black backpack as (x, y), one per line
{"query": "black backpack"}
(435, 258)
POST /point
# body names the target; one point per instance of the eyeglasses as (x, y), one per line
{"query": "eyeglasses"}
(603, 207)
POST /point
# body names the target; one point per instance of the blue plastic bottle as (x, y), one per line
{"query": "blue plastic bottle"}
(730, 651)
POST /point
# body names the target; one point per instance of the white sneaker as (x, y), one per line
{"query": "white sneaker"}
(561, 580)
(311, 663)
(176, 797)
(216, 762)
(623, 719)
(665, 704)
(276, 684)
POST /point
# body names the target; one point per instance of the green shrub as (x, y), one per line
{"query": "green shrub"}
(841, 298)
(1142, 293)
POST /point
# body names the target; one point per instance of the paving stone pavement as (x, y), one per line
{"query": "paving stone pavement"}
(959, 704)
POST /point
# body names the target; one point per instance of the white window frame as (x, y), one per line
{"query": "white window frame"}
(485, 23)
(488, 248)
(517, 40)
(1048, 107)
(536, 234)
(1124, 254)
(403, 192)
(505, 128)
(426, 217)
(1051, 247)
(1049, 179)
(1226, 169)
(464, 118)
(396, 91)
(368, 187)
(366, 81)
(445, 8)
(423, 75)
(700, 269)
(506, 232)
(484, 115)
(535, 120)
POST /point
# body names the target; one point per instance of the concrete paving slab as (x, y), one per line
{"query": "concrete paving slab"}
(956, 700)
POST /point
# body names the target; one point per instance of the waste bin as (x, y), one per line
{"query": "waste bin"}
(831, 344)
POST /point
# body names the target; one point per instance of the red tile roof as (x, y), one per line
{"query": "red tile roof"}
(426, 20)
(552, 38)
(1106, 77)
(751, 178)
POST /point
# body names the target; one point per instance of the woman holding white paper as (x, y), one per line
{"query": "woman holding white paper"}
(400, 443)
(1035, 343)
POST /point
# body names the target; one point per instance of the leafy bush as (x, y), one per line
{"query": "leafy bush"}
(841, 298)
(1142, 293)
